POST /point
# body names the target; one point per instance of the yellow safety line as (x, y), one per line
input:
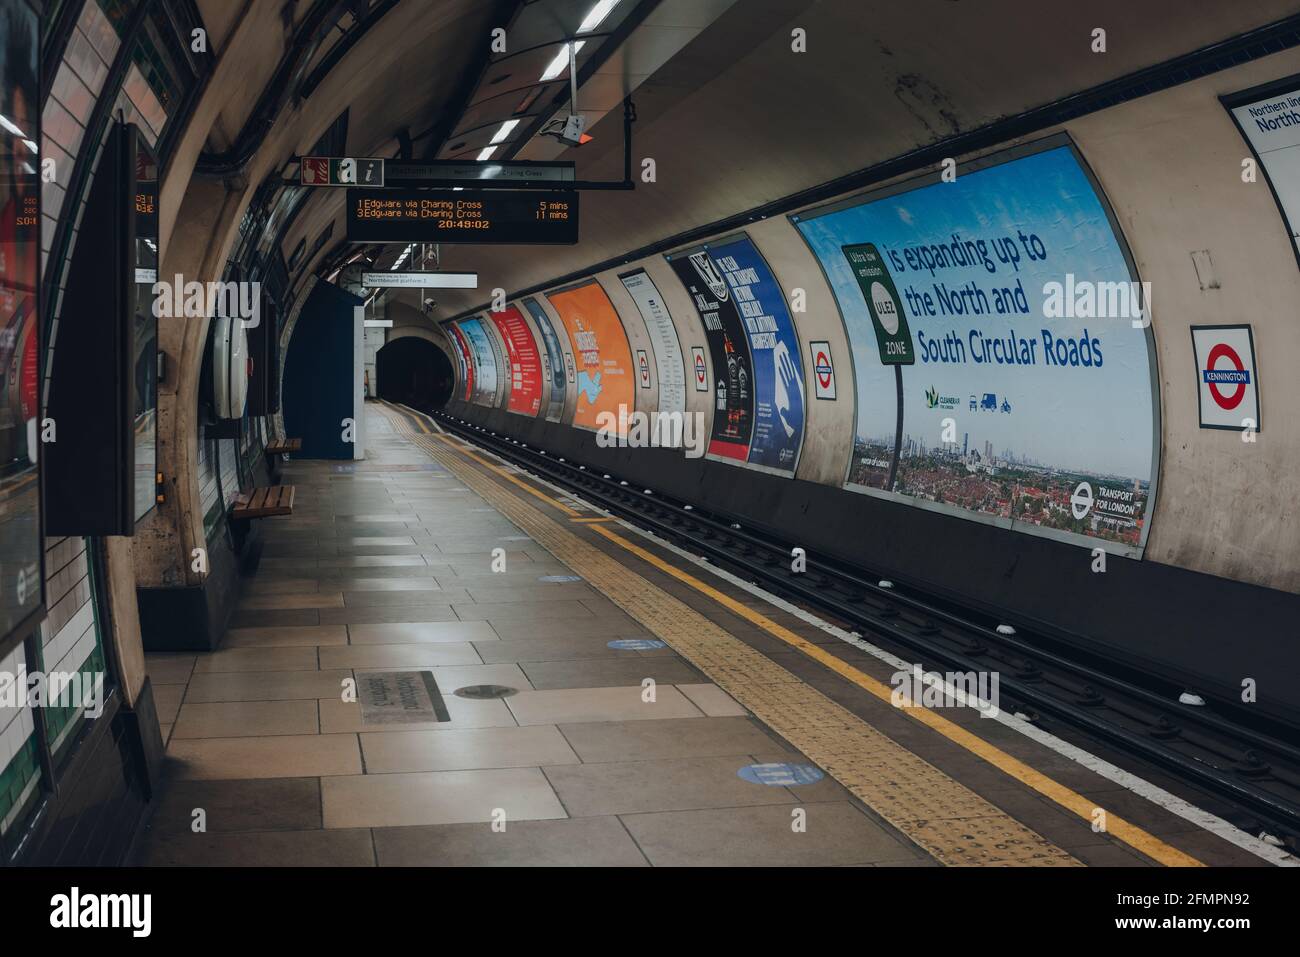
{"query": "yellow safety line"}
(503, 473)
(1116, 826)
(942, 816)
(1129, 833)
(410, 415)
(537, 493)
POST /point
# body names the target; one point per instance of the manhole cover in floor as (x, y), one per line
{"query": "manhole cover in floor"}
(485, 691)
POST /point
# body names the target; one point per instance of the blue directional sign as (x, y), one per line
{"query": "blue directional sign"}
(781, 774)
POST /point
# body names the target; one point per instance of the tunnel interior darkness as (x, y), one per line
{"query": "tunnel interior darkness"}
(414, 372)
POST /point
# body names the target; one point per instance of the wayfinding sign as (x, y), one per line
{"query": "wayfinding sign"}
(341, 171)
(1226, 377)
(434, 173)
(462, 216)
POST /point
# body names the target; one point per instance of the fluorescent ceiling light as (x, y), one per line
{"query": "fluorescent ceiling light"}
(422, 280)
(8, 124)
(486, 153)
(506, 129)
(561, 61)
(596, 15)
(402, 258)
(378, 323)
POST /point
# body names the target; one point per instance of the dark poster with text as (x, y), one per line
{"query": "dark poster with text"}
(733, 393)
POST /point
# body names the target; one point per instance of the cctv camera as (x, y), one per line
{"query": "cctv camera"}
(569, 129)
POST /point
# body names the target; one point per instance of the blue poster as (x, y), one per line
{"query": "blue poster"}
(485, 363)
(774, 348)
(1029, 399)
(554, 358)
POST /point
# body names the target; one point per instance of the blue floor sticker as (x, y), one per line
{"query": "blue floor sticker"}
(781, 774)
(636, 644)
(560, 578)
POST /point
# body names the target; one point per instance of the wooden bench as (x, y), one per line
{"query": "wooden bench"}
(264, 502)
(285, 447)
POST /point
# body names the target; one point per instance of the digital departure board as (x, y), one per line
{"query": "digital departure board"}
(462, 216)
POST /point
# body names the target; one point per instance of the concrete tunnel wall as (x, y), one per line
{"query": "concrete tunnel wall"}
(245, 41)
(1225, 512)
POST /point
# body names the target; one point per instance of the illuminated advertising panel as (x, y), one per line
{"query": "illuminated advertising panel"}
(144, 272)
(465, 360)
(774, 352)
(663, 339)
(525, 364)
(604, 360)
(485, 361)
(553, 360)
(1029, 401)
(732, 388)
(1269, 119)
(21, 581)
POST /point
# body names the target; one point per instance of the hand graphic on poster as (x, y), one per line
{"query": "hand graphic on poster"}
(789, 391)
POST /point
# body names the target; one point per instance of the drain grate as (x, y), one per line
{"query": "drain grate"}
(485, 691)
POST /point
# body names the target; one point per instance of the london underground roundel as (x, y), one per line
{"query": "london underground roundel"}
(1227, 380)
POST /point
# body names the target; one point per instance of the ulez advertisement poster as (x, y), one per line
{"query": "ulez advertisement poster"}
(1001, 348)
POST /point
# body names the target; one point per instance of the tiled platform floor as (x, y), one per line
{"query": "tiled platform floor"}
(388, 566)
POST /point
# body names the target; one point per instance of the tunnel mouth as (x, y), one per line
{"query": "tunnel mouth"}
(413, 372)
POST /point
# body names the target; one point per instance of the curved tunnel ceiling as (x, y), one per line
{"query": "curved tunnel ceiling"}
(731, 132)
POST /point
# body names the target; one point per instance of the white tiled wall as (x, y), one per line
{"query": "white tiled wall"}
(77, 84)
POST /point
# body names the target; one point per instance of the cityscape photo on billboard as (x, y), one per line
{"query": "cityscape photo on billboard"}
(1028, 402)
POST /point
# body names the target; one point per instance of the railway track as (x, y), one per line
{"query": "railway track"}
(1247, 768)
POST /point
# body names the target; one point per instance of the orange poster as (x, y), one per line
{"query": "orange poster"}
(605, 380)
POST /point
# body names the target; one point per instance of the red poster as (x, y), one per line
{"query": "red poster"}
(466, 360)
(525, 361)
